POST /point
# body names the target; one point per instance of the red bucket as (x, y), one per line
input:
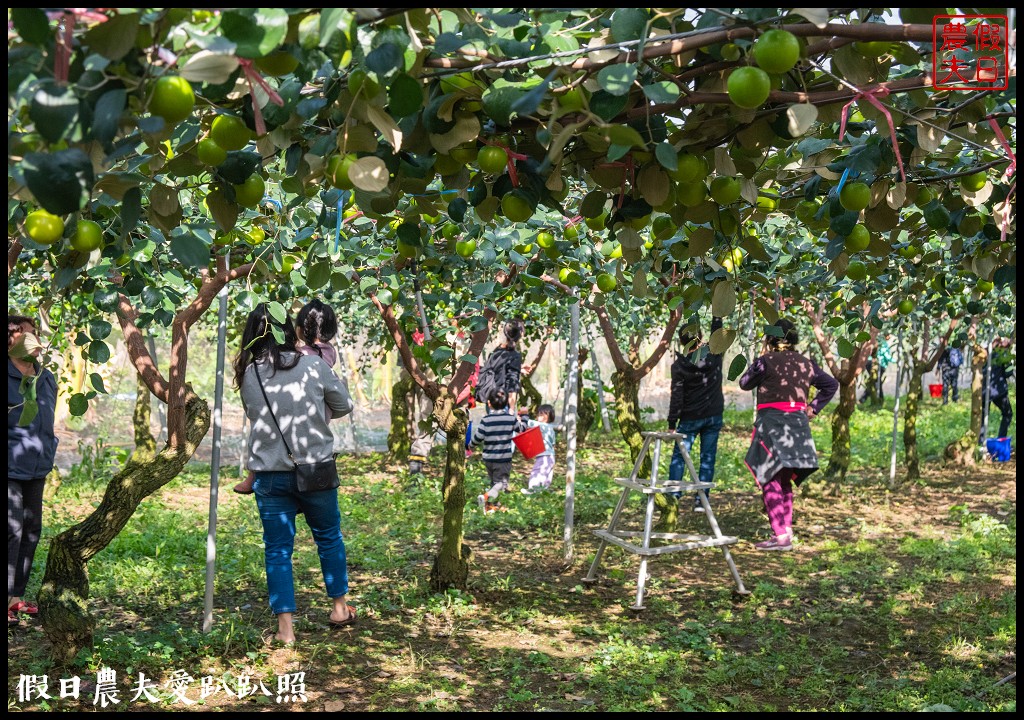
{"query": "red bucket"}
(935, 390)
(530, 443)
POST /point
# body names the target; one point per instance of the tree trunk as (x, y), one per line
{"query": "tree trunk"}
(451, 566)
(913, 399)
(963, 451)
(839, 462)
(871, 394)
(64, 594)
(627, 412)
(529, 396)
(399, 440)
(586, 412)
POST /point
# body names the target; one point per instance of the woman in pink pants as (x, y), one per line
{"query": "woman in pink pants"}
(781, 449)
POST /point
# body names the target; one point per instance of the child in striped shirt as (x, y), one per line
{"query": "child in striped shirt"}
(494, 432)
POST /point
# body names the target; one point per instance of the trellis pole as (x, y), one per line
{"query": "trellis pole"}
(569, 414)
(218, 422)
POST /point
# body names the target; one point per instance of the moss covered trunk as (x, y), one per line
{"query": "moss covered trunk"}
(399, 437)
(839, 462)
(964, 450)
(913, 401)
(529, 396)
(451, 566)
(871, 395)
(64, 594)
(627, 413)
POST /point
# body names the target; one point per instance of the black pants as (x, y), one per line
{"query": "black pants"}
(24, 525)
(1003, 403)
(950, 382)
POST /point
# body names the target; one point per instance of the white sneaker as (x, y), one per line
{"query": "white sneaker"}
(481, 500)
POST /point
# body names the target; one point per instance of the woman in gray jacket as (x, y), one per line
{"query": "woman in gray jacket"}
(296, 390)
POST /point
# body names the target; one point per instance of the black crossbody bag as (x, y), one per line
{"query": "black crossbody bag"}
(309, 477)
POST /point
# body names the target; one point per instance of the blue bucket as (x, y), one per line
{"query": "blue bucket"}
(999, 448)
(469, 433)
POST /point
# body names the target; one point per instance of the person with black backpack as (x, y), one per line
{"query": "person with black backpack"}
(949, 369)
(503, 367)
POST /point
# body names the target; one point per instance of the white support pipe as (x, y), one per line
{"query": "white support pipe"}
(896, 410)
(571, 406)
(218, 422)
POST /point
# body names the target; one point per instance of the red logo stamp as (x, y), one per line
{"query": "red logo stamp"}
(971, 52)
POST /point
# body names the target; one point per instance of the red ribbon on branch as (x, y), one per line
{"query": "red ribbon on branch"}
(253, 77)
(872, 97)
(512, 157)
(1006, 146)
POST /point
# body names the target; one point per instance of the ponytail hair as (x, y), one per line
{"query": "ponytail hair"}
(514, 331)
(790, 337)
(318, 322)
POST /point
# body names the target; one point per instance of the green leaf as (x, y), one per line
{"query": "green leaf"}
(499, 103)
(331, 21)
(318, 275)
(662, 92)
(385, 296)
(99, 352)
(277, 311)
(629, 24)
(529, 102)
(99, 329)
(442, 354)
(78, 405)
(239, 166)
(624, 135)
(593, 204)
(115, 37)
(107, 116)
(54, 110)
(457, 209)
(607, 106)
(845, 347)
(617, 151)
(190, 251)
(723, 298)
(225, 213)
(737, 366)
(255, 31)
(667, 156)
(131, 210)
(31, 24)
(616, 79)
(97, 382)
(721, 339)
(385, 59)
(405, 96)
(61, 182)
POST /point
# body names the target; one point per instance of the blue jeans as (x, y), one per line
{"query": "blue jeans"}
(279, 502)
(708, 429)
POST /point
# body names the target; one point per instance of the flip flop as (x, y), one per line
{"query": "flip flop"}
(350, 620)
(25, 608)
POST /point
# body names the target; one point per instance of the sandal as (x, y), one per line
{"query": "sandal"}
(24, 607)
(350, 620)
(12, 618)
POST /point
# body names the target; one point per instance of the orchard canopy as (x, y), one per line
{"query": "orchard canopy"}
(648, 161)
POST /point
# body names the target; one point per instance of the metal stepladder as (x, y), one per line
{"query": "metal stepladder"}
(650, 488)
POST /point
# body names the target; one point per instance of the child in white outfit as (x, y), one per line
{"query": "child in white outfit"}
(543, 464)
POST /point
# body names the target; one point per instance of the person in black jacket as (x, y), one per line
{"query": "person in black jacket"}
(696, 404)
(503, 368)
(31, 451)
